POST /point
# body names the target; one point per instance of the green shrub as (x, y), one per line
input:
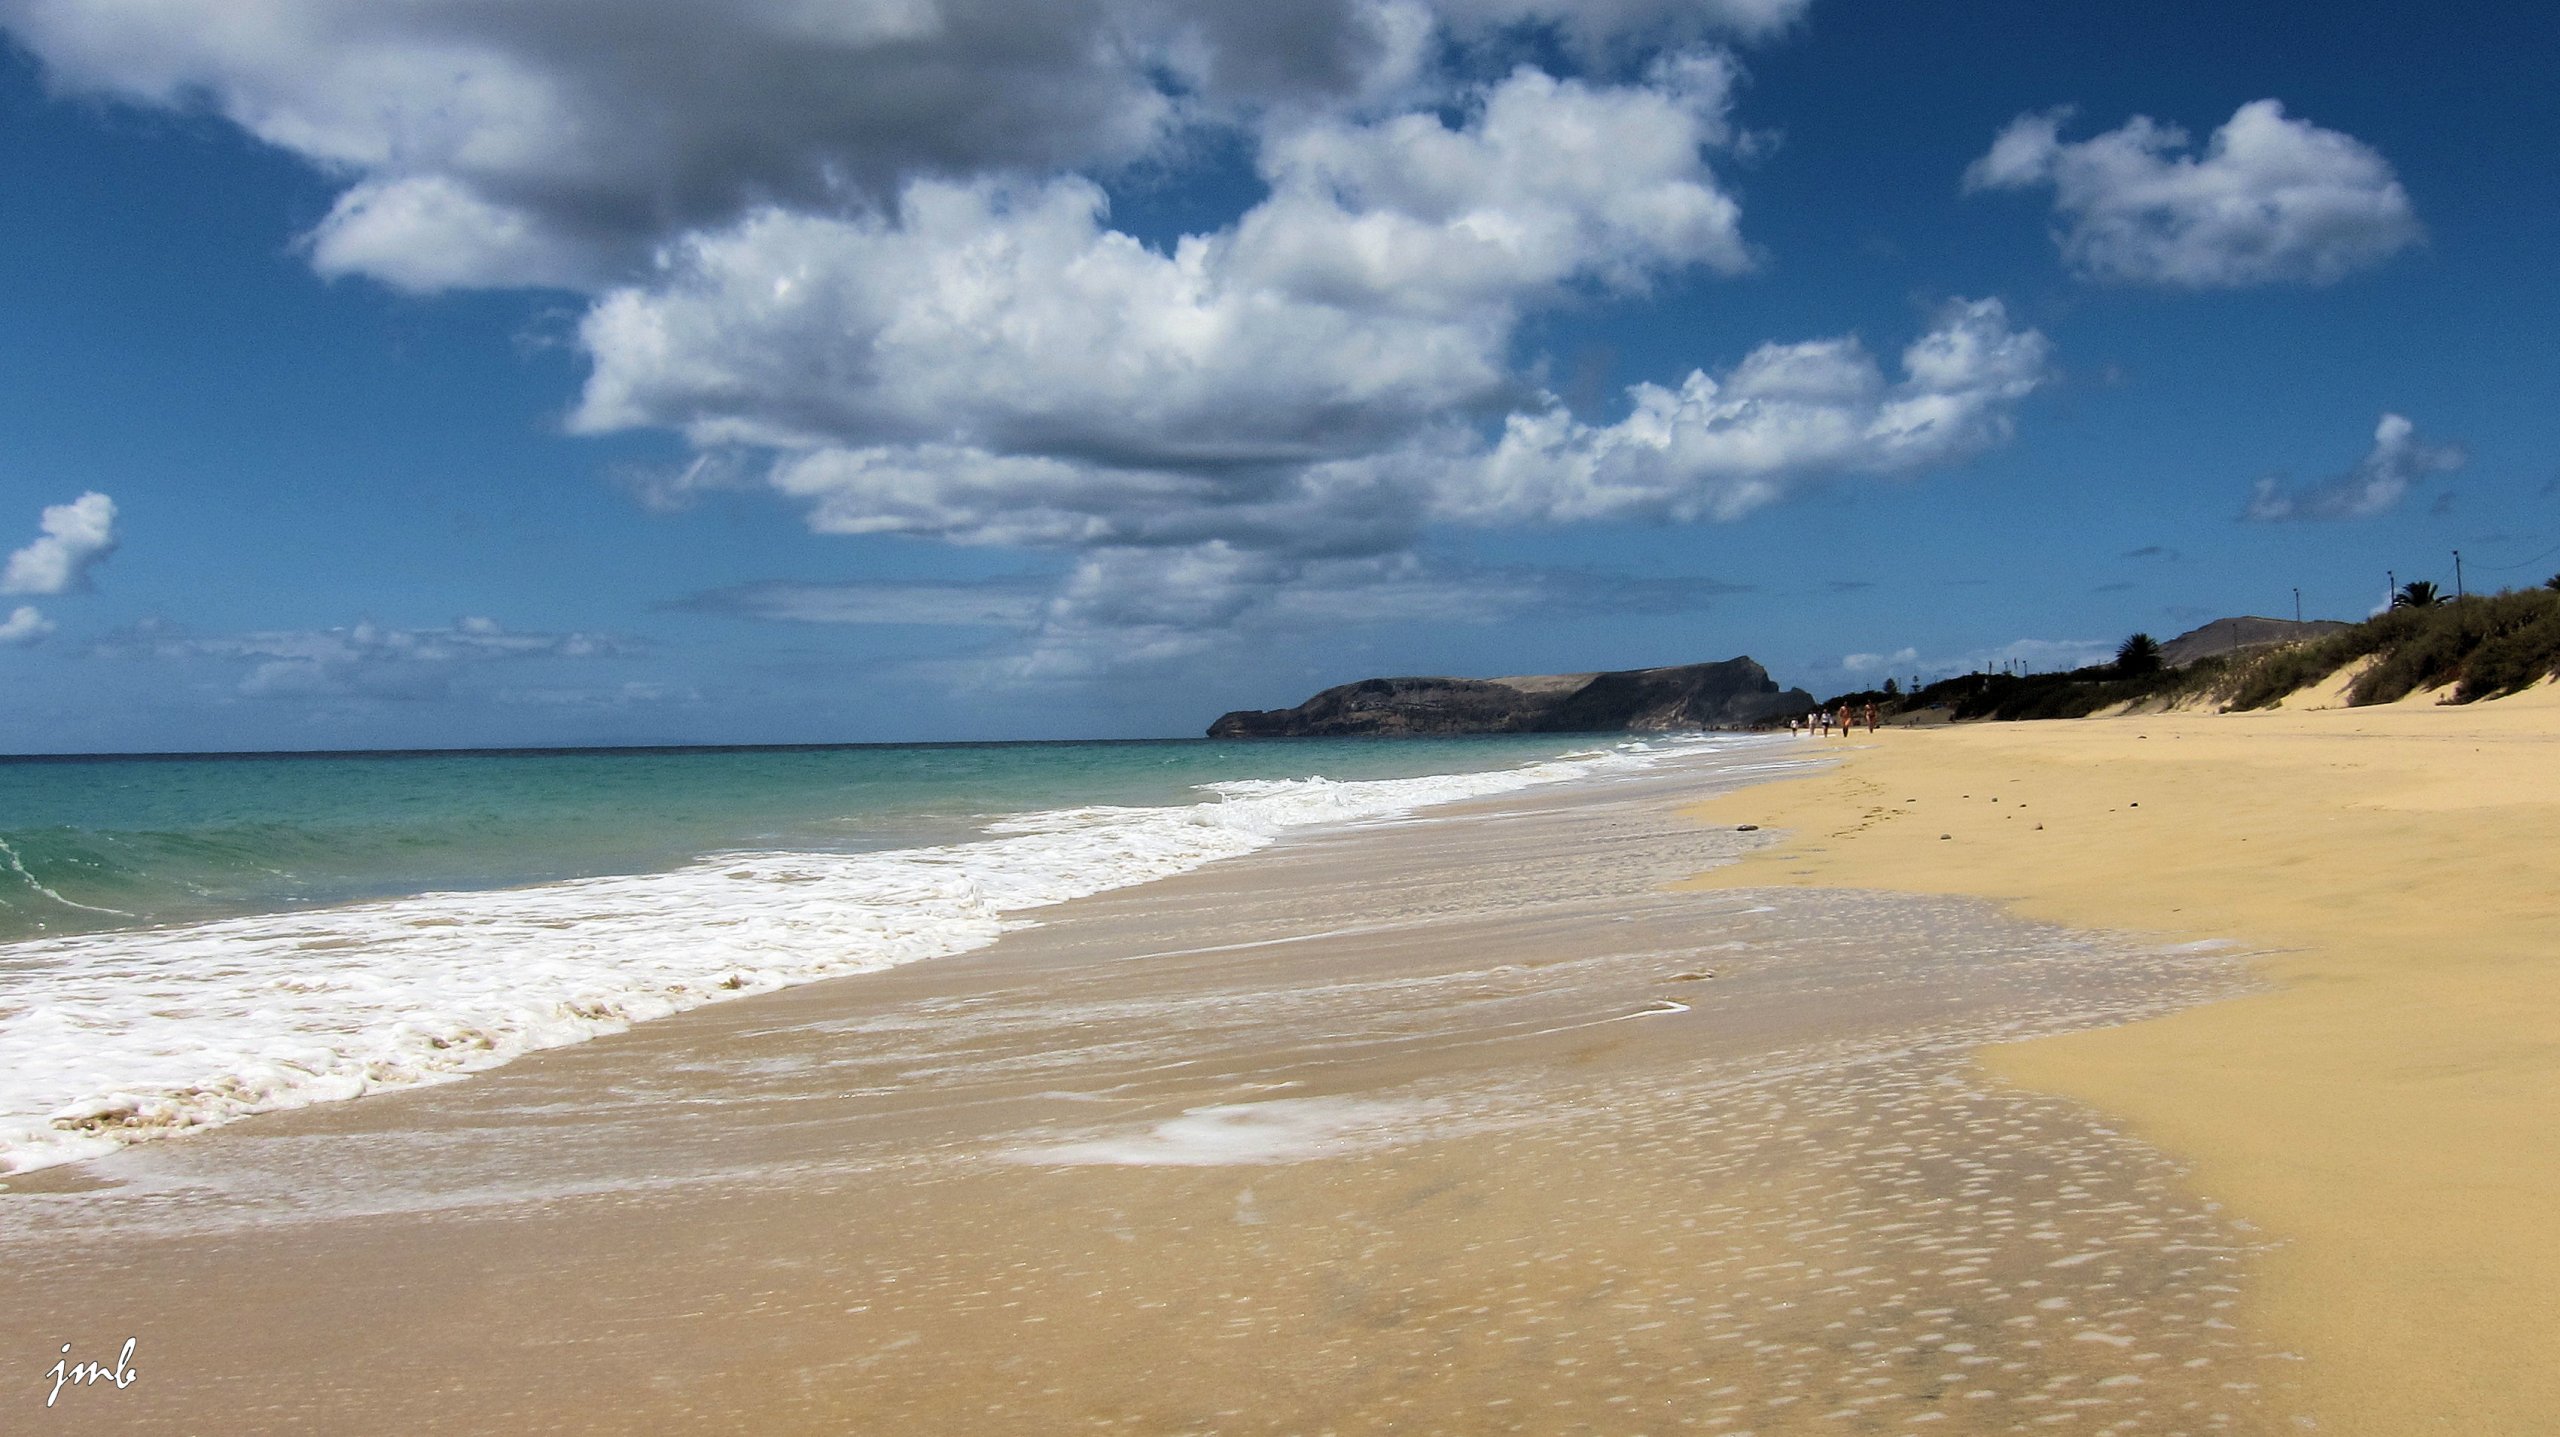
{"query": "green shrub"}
(2440, 645)
(2517, 655)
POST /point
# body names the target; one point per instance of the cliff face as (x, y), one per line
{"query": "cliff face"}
(1734, 694)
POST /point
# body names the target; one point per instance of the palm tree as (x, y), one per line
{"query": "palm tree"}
(2417, 594)
(2138, 655)
(2552, 583)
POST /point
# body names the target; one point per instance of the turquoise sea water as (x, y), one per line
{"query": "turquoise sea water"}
(95, 844)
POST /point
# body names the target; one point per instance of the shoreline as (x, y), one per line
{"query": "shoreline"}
(2389, 1110)
(177, 1026)
(1469, 1121)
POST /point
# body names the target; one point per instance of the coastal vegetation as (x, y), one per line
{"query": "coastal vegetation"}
(2475, 647)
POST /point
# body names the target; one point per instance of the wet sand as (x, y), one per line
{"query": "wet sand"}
(2388, 1110)
(1471, 1124)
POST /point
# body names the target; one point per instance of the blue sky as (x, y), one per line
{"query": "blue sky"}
(569, 373)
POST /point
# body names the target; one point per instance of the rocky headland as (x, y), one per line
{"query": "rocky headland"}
(1736, 693)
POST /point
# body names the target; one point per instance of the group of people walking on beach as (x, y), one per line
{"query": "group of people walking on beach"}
(1823, 721)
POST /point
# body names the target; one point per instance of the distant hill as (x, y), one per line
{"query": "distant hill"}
(1737, 693)
(2229, 636)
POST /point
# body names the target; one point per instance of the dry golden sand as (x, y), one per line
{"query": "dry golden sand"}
(1466, 1126)
(2390, 1111)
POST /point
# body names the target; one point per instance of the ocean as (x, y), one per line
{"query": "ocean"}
(187, 941)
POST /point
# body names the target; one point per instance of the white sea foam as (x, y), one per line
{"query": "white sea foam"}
(1285, 1130)
(112, 1038)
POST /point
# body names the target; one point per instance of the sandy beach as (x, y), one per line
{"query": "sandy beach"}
(2388, 1110)
(1479, 1123)
(963, 718)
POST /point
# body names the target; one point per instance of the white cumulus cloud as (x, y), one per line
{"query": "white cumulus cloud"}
(1720, 448)
(1010, 320)
(1375, 291)
(1236, 424)
(861, 253)
(1552, 180)
(73, 538)
(547, 140)
(2270, 200)
(2376, 485)
(23, 626)
(554, 142)
(430, 232)
(1170, 557)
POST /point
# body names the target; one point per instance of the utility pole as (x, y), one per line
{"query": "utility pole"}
(2457, 573)
(2297, 603)
(2390, 587)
